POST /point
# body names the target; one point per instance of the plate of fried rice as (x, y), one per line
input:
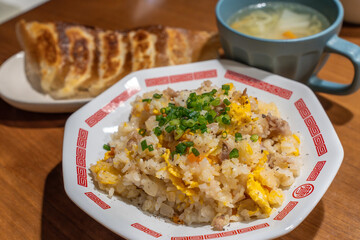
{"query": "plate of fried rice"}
(207, 150)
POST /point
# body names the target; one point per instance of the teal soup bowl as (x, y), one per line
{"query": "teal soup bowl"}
(298, 59)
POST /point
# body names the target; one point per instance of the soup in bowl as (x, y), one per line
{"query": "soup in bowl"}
(278, 20)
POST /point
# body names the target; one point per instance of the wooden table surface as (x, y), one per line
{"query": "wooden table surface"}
(33, 203)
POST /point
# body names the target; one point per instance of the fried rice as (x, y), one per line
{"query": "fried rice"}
(211, 155)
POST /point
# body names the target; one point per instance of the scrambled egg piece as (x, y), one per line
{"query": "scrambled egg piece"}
(240, 113)
(275, 197)
(258, 194)
(175, 177)
(105, 172)
(261, 195)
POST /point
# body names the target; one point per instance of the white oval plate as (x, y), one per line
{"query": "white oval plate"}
(90, 127)
(16, 90)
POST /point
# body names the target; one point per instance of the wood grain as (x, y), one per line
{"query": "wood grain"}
(33, 202)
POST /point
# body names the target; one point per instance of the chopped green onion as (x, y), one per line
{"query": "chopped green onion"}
(180, 148)
(227, 102)
(157, 131)
(182, 112)
(179, 119)
(225, 119)
(224, 134)
(189, 123)
(147, 100)
(182, 127)
(157, 96)
(189, 144)
(142, 132)
(210, 118)
(198, 106)
(194, 114)
(178, 133)
(215, 102)
(218, 119)
(203, 128)
(225, 87)
(226, 92)
(143, 145)
(170, 128)
(174, 122)
(254, 137)
(195, 152)
(238, 137)
(202, 120)
(207, 108)
(205, 99)
(171, 116)
(234, 153)
(212, 113)
(162, 122)
(106, 147)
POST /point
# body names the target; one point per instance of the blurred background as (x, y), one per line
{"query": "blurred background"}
(12, 8)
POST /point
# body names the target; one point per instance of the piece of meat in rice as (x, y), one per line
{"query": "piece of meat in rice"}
(224, 152)
(219, 222)
(171, 93)
(278, 126)
(134, 137)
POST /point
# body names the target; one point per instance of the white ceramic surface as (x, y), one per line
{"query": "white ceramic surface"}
(17, 91)
(90, 127)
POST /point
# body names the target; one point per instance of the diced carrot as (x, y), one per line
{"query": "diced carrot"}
(193, 158)
(111, 152)
(177, 220)
(289, 35)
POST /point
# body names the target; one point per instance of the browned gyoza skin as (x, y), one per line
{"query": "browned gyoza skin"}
(75, 61)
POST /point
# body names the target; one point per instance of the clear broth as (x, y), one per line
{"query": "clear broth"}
(278, 20)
